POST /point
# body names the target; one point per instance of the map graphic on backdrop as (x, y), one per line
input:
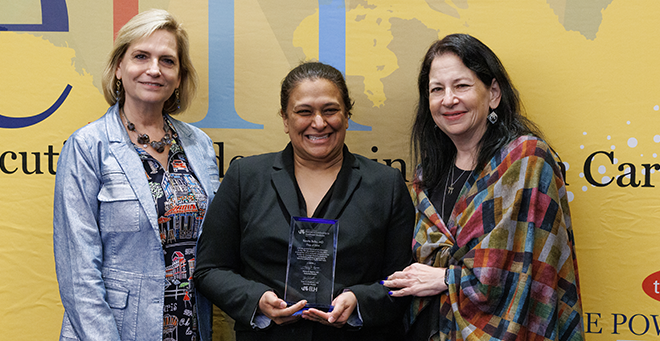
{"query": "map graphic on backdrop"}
(586, 70)
(330, 16)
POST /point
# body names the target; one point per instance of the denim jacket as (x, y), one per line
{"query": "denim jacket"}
(108, 253)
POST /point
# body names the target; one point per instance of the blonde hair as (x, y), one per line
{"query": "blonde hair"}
(140, 26)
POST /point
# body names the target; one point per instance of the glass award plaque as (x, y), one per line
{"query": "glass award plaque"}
(310, 272)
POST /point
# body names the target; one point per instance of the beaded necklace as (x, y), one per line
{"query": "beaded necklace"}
(144, 140)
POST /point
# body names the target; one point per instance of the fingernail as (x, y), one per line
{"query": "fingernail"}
(382, 282)
(390, 293)
(331, 319)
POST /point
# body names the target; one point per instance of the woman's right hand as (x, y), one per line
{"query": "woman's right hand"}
(417, 280)
(275, 308)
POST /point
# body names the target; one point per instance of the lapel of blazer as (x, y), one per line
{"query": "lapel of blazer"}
(347, 181)
(283, 181)
(195, 155)
(122, 149)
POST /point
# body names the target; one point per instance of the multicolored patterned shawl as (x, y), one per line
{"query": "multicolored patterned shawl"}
(508, 247)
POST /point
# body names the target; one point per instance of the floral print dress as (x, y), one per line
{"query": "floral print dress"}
(181, 203)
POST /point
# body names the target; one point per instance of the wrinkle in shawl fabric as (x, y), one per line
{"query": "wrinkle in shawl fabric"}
(509, 250)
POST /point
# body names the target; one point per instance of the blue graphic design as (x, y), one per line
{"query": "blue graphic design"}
(332, 33)
(332, 41)
(22, 122)
(55, 18)
(222, 110)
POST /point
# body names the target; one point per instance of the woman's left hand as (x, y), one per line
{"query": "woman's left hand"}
(418, 280)
(344, 305)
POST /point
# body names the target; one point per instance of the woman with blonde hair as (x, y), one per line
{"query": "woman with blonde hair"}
(130, 194)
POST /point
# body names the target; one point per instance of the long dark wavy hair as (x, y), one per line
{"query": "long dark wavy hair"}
(431, 146)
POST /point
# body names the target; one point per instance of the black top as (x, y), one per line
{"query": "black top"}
(444, 199)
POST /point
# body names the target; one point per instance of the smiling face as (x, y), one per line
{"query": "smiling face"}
(459, 100)
(149, 70)
(316, 121)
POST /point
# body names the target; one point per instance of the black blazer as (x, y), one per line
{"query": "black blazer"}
(242, 251)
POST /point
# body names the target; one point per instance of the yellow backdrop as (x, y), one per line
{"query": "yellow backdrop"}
(587, 72)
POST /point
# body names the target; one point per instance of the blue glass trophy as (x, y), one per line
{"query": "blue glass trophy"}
(310, 273)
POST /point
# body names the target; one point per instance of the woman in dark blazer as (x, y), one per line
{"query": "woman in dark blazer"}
(242, 253)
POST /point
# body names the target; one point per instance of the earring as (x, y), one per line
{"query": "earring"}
(117, 90)
(492, 117)
(178, 102)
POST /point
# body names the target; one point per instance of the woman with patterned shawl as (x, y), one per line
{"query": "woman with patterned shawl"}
(493, 238)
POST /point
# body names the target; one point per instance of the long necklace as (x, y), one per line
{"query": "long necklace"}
(450, 188)
(144, 139)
